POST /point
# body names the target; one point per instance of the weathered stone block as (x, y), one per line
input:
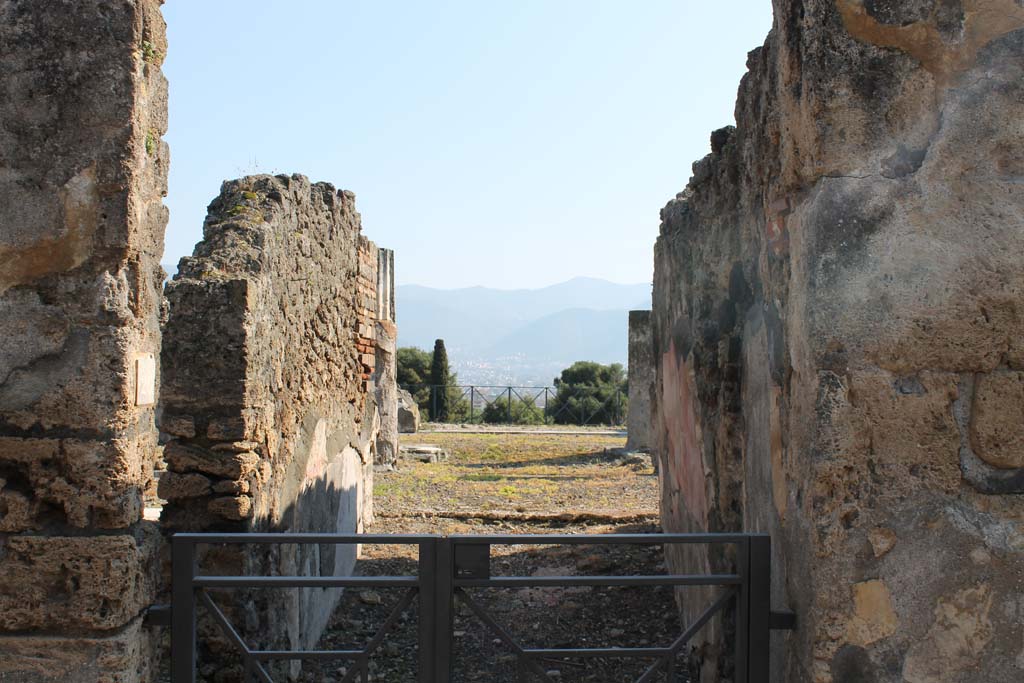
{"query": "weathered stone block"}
(182, 457)
(183, 426)
(18, 510)
(70, 583)
(128, 656)
(408, 413)
(225, 486)
(227, 429)
(84, 482)
(235, 508)
(174, 486)
(997, 422)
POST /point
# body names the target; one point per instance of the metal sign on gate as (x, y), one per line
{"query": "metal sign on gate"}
(449, 566)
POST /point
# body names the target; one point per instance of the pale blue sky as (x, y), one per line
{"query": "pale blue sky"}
(489, 142)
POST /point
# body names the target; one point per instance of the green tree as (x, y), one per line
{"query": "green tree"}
(413, 374)
(440, 380)
(590, 393)
(524, 412)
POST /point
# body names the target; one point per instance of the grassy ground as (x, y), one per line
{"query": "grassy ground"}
(520, 473)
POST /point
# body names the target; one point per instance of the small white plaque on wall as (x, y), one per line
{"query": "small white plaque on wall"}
(145, 380)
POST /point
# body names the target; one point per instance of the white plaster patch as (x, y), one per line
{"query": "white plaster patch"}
(316, 465)
(145, 380)
(347, 477)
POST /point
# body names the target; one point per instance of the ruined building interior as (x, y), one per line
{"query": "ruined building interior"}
(834, 353)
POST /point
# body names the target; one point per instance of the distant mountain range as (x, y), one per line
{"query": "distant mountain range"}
(522, 335)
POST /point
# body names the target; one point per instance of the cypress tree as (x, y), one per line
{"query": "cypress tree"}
(439, 379)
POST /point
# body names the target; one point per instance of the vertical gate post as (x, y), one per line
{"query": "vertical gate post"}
(444, 613)
(472, 403)
(183, 611)
(428, 609)
(760, 605)
(743, 611)
(509, 407)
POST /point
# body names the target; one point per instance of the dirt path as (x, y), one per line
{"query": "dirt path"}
(514, 481)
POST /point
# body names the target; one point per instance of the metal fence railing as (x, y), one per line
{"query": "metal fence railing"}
(451, 571)
(476, 404)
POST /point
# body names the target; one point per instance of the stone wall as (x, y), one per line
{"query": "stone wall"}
(641, 380)
(270, 359)
(837, 326)
(82, 174)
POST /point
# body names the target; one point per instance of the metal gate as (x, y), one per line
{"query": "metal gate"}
(451, 565)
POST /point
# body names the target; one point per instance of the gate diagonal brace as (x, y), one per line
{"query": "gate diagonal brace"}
(503, 634)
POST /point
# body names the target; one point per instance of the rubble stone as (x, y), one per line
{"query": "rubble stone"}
(408, 413)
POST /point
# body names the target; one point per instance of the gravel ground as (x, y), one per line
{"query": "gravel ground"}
(535, 617)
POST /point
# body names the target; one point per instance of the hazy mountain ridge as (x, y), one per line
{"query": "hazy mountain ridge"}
(523, 335)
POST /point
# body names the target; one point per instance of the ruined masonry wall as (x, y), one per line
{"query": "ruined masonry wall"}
(82, 175)
(268, 397)
(641, 380)
(838, 332)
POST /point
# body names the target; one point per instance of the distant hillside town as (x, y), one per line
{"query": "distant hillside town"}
(523, 336)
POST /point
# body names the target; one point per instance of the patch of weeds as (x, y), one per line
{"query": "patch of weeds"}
(152, 141)
(247, 212)
(508, 492)
(150, 54)
(492, 452)
(252, 196)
